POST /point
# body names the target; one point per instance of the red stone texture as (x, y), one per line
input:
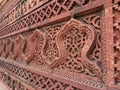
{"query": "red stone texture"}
(60, 45)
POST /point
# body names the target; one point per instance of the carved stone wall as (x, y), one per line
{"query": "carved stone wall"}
(116, 29)
(60, 45)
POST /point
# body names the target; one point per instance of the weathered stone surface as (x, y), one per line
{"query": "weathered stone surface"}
(60, 45)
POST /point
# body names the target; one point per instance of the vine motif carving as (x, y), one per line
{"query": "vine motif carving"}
(75, 41)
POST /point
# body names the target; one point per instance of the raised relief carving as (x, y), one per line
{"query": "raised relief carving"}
(75, 41)
(97, 52)
(20, 43)
(37, 43)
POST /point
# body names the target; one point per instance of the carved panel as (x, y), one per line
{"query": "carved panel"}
(51, 52)
(65, 47)
(75, 41)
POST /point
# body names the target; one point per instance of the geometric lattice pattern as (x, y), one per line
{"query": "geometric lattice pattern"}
(37, 80)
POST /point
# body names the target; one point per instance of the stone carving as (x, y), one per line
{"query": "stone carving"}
(61, 51)
(12, 83)
(2, 45)
(95, 54)
(40, 81)
(51, 52)
(17, 11)
(20, 45)
(24, 6)
(37, 43)
(75, 41)
(9, 48)
(116, 28)
(47, 11)
(32, 3)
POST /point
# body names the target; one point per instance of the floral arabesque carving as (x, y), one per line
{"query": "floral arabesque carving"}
(37, 43)
(75, 41)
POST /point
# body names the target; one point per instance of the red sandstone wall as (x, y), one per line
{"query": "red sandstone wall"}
(60, 45)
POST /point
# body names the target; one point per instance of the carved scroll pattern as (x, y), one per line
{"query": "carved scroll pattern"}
(75, 41)
(116, 28)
